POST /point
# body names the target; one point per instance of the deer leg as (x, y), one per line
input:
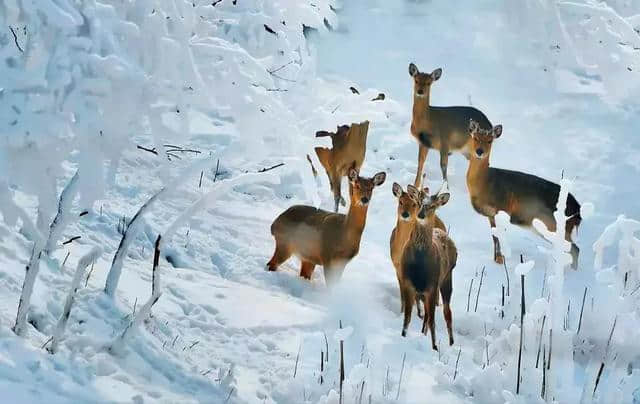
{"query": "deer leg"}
(333, 274)
(280, 255)
(408, 298)
(575, 251)
(497, 254)
(420, 306)
(429, 315)
(336, 184)
(306, 269)
(444, 161)
(401, 295)
(446, 288)
(422, 156)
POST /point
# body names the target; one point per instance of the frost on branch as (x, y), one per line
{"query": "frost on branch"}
(83, 263)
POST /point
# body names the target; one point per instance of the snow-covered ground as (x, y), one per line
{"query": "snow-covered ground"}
(224, 330)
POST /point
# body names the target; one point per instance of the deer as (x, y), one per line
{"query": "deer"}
(409, 203)
(319, 237)
(440, 128)
(523, 196)
(349, 147)
(426, 267)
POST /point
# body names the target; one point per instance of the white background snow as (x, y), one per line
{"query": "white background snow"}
(84, 82)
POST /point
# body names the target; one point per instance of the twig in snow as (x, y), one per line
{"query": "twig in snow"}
(262, 170)
(502, 307)
(200, 183)
(469, 295)
(58, 332)
(65, 260)
(550, 348)
(544, 371)
(71, 240)
(584, 296)
(479, 287)
(507, 275)
(341, 365)
(336, 108)
(46, 342)
(281, 67)
(354, 90)
(455, 372)
(215, 176)
(269, 30)
(544, 318)
(326, 345)
(379, 97)
(86, 282)
(404, 356)
(155, 285)
(229, 396)
(154, 151)
(15, 39)
(295, 369)
(522, 312)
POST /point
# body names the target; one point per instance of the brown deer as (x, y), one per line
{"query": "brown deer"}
(409, 203)
(427, 267)
(349, 147)
(523, 196)
(442, 128)
(324, 238)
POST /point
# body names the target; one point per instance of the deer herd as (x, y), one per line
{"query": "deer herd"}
(421, 249)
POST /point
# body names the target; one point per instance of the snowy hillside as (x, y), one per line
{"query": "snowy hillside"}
(191, 120)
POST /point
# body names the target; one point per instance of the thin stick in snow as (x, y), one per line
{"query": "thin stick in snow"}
(155, 285)
(469, 295)
(404, 356)
(544, 318)
(502, 307)
(479, 287)
(507, 275)
(455, 372)
(295, 369)
(522, 311)
(584, 296)
(341, 365)
(84, 262)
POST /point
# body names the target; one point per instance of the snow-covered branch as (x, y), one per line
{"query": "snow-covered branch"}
(83, 263)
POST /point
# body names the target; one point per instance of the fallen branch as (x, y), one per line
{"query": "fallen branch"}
(71, 240)
(479, 287)
(262, 170)
(15, 39)
(154, 151)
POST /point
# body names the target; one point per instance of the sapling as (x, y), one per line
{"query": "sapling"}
(83, 263)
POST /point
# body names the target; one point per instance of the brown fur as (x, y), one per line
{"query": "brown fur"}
(348, 151)
(523, 196)
(426, 268)
(440, 128)
(324, 238)
(409, 204)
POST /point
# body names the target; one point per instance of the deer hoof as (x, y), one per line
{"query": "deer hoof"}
(499, 259)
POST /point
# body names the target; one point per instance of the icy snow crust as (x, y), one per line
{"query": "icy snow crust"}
(93, 80)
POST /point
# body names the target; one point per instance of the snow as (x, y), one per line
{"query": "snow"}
(97, 79)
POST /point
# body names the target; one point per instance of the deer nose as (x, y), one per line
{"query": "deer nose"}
(479, 152)
(405, 214)
(364, 200)
(420, 92)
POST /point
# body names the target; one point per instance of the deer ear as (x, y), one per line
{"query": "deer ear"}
(397, 190)
(413, 192)
(473, 126)
(435, 75)
(353, 174)
(443, 198)
(497, 131)
(413, 69)
(379, 178)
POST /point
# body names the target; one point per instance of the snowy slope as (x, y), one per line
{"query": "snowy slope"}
(224, 330)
